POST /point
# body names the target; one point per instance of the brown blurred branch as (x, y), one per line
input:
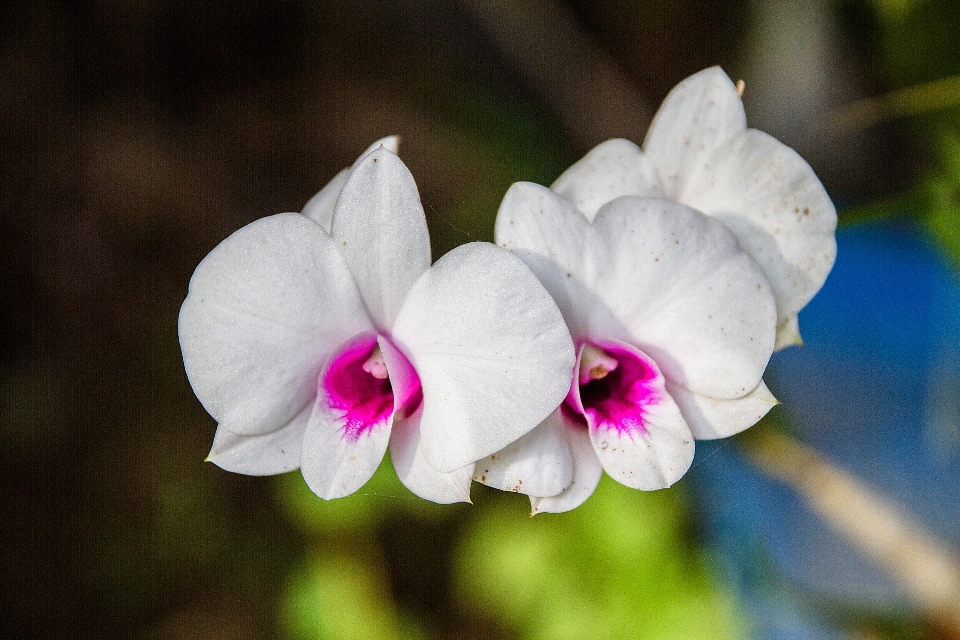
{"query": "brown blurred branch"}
(594, 99)
(913, 100)
(926, 568)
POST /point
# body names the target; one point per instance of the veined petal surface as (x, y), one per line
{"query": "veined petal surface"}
(710, 418)
(611, 169)
(265, 310)
(380, 228)
(537, 464)
(261, 455)
(319, 208)
(696, 117)
(491, 349)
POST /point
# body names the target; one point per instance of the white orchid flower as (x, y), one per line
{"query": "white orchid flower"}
(699, 152)
(315, 350)
(674, 325)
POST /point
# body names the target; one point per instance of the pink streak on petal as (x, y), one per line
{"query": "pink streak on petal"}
(365, 400)
(619, 400)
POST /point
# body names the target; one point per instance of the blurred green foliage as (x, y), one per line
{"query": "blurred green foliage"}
(942, 191)
(622, 565)
(919, 43)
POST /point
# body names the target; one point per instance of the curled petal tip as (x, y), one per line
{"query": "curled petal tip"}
(788, 334)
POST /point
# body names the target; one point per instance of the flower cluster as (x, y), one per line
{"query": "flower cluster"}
(627, 311)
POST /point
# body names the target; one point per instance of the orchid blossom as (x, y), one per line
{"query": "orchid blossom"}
(674, 325)
(316, 350)
(699, 152)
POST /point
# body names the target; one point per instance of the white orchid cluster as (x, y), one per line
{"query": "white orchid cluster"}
(626, 311)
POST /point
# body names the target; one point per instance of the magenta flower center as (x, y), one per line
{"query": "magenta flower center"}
(614, 388)
(358, 385)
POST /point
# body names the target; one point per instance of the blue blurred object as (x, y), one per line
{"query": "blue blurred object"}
(877, 390)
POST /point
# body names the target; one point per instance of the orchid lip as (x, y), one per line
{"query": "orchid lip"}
(614, 387)
(357, 384)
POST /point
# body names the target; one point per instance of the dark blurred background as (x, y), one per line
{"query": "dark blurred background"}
(137, 134)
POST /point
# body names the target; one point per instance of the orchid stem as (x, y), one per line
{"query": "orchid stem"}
(912, 100)
(926, 568)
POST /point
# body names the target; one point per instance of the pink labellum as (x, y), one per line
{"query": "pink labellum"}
(614, 388)
(358, 385)
(406, 383)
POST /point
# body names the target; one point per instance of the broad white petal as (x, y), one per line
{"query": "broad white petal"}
(265, 310)
(788, 334)
(379, 226)
(319, 208)
(684, 292)
(778, 209)
(538, 464)
(491, 349)
(696, 117)
(549, 234)
(333, 463)
(586, 473)
(711, 418)
(261, 455)
(611, 169)
(416, 474)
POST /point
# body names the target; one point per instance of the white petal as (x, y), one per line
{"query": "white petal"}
(611, 169)
(538, 464)
(586, 474)
(696, 117)
(652, 460)
(549, 234)
(491, 349)
(379, 226)
(710, 418)
(781, 214)
(265, 310)
(334, 465)
(319, 208)
(417, 475)
(788, 334)
(684, 292)
(261, 455)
